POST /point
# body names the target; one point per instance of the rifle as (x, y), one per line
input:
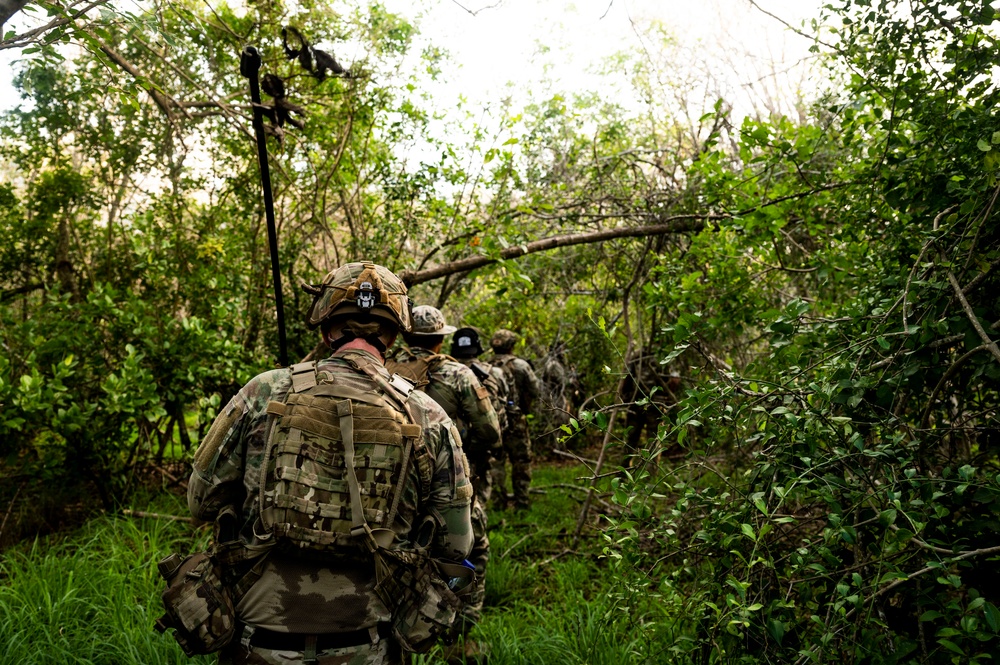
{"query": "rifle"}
(250, 62)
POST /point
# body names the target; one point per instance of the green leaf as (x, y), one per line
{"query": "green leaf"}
(951, 646)
(992, 617)
(776, 629)
(985, 147)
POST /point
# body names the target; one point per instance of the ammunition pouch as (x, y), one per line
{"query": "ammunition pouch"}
(425, 595)
(198, 604)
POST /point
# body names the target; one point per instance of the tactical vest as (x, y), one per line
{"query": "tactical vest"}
(416, 368)
(330, 448)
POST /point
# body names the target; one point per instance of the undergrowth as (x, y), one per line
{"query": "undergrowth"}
(92, 595)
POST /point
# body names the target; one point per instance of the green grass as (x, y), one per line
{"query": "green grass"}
(92, 595)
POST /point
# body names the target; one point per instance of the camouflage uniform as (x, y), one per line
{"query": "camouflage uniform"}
(556, 408)
(467, 402)
(523, 390)
(296, 598)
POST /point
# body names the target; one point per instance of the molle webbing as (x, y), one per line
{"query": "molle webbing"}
(333, 447)
(422, 458)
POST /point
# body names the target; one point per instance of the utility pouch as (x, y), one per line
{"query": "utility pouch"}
(199, 606)
(424, 594)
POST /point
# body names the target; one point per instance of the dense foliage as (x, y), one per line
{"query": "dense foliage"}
(788, 365)
(838, 494)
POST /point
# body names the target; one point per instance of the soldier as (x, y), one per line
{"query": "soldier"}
(382, 455)
(523, 390)
(459, 392)
(466, 347)
(554, 381)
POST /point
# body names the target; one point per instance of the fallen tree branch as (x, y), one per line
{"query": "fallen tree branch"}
(677, 224)
(546, 562)
(573, 456)
(10, 508)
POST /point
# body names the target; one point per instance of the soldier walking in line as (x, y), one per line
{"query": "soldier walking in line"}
(304, 457)
(465, 348)
(459, 392)
(523, 390)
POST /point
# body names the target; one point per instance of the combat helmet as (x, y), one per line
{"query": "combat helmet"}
(362, 289)
(465, 343)
(429, 321)
(503, 340)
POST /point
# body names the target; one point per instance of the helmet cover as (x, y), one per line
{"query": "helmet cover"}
(360, 289)
(503, 339)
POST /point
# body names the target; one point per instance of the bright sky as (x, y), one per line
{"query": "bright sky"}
(731, 41)
(501, 41)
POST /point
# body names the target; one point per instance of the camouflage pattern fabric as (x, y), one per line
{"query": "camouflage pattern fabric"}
(198, 603)
(556, 408)
(523, 390)
(360, 288)
(523, 387)
(503, 340)
(430, 321)
(517, 449)
(309, 595)
(495, 382)
(310, 466)
(456, 388)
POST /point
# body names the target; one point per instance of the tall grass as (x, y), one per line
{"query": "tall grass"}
(92, 596)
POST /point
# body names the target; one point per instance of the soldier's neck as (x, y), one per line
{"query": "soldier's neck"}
(433, 349)
(361, 345)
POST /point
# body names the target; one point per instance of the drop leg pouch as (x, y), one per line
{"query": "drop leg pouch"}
(199, 606)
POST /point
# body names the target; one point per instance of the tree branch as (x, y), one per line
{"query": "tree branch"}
(18, 41)
(163, 101)
(990, 344)
(10, 7)
(677, 224)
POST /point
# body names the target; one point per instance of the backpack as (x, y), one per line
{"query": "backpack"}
(505, 362)
(497, 388)
(415, 368)
(322, 437)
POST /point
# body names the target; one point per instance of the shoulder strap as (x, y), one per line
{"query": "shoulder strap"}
(414, 369)
(399, 392)
(480, 373)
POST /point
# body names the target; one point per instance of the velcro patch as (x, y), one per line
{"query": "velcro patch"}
(409, 431)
